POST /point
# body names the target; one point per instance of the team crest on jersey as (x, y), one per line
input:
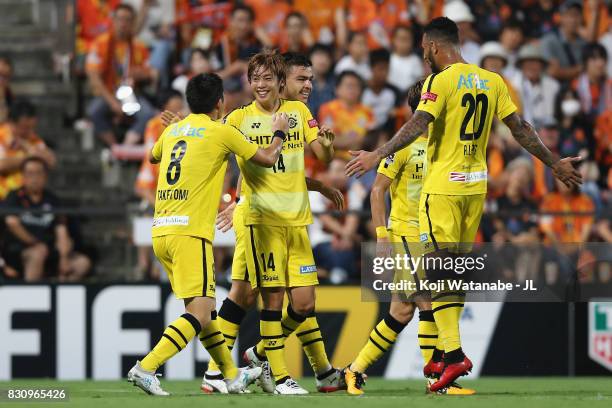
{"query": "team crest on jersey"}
(429, 96)
(292, 122)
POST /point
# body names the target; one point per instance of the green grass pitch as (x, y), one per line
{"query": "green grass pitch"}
(492, 393)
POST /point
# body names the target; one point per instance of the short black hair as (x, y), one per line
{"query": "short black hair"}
(349, 73)
(34, 159)
(126, 7)
(400, 27)
(442, 29)
(413, 94)
(379, 56)
(296, 59)
(318, 47)
(594, 50)
(512, 24)
(165, 96)
(21, 109)
(203, 93)
(247, 9)
(204, 53)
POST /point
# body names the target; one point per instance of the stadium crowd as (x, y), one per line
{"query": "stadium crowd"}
(137, 56)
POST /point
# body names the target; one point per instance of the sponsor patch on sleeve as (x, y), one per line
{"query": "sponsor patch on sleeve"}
(429, 96)
(424, 237)
(313, 123)
(308, 269)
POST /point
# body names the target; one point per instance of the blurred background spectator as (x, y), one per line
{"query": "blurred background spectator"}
(38, 244)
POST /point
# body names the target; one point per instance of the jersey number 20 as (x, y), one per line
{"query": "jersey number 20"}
(177, 154)
(478, 103)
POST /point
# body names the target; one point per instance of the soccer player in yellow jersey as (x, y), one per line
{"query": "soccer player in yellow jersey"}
(458, 103)
(402, 173)
(299, 316)
(276, 212)
(193, 156)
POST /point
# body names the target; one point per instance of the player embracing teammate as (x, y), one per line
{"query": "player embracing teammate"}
(457, 106)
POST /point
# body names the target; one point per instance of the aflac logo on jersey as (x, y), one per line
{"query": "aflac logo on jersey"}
(472, 81)
(187, 130)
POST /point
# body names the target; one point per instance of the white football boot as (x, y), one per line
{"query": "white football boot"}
(246, 376)
(331, 381)
(146, 380)
(289, 387)
(213, 383)
(265, 380)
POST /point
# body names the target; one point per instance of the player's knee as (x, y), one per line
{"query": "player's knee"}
(403, 312)
(37, 252)
(303, 307)
(243, 294)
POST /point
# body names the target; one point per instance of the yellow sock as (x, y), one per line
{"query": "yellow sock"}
(230, 317)
(289, 323)
(381, 339)
(274, 343)
(312, 343)
(176, 336)
(447, 314)
(214, 342)
(428, 334)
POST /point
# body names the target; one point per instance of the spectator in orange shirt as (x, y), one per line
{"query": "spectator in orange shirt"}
(18, 142)
(117, 59)
(146, 181)
(270, 16)
(296, 36)
(346, 116)
(593, 85)
(378, 19)
(570, 228)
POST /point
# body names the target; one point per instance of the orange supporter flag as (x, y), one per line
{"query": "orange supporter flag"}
(93, 19)
(567, 228)
(377, 18)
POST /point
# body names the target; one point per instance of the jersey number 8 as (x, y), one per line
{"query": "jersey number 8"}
(177, 154)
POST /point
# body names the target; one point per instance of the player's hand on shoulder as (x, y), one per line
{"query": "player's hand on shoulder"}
(168, 118)
(564, 170)
(280, 121)
(225, 218)
(325, 136)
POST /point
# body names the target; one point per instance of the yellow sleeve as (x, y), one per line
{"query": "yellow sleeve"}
(157, 147)
(393, 164)
(311, 126)
(505, 106)
(237, 143)
(234, 118)
(433, 95)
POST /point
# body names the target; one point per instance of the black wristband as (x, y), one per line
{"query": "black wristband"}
(279, 133)
(237, 199)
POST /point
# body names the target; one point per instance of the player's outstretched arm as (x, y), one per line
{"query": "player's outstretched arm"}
(379, 212)
(526, 135)
(332, 194)
(363, 161)
(269, 156)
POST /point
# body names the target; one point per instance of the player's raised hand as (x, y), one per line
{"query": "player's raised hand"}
(168, 118)
(325, 136)
(362, 162)
(280, 121)
(335, 196)
(564, 170)
(225, 218)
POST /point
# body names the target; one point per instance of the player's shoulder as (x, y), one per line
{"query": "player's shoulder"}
(238, 113)
(289, 104)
